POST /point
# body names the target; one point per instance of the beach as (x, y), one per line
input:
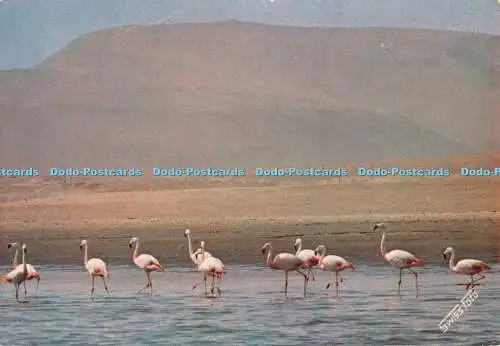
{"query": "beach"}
(237, 215)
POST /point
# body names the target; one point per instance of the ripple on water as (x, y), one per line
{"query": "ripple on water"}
(251, 311)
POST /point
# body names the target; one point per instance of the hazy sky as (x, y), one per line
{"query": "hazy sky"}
(31, 30)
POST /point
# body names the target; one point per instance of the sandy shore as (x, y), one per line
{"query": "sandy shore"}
(237, 215)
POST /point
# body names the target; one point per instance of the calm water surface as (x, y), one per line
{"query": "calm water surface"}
(251, 311)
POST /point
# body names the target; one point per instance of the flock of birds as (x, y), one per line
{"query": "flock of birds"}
(208, 265)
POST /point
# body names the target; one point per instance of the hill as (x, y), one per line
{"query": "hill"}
(240, 94)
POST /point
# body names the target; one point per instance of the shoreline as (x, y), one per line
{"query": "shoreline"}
(475, 236)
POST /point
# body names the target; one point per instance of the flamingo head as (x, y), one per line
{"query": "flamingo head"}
(13, 245)
(36, 275)
(298, 243)
(349, 265)
(320, 250)
(265, 247)
(83, 243)
(446, 252)
(187, 232)
(380, 225)
(132, 242)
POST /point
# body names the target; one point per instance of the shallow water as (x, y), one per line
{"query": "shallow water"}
(251, 311)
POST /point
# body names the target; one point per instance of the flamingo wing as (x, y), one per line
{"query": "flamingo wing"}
(97, 267)
(470, 266)
(148, 262)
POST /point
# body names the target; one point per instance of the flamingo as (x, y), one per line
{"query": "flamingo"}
(195, 257)
(146, 262)
(18, 275)
(286, 262)
(32, 273)
(399, 259)
(211, 265)
(466, 267)
(332, 263)
(95, 267)
(307, 256)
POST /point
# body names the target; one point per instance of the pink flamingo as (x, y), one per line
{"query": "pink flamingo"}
(211, 265)
(466, 267)
(95, 267)
(194, 256)
(32, 273)
(286, 262)
(307, 256)
(18, 275)
(332, 263)
(146, 262)
(399, 259)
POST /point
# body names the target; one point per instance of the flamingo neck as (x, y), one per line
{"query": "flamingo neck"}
(452, 260)
(299, 248)
(269, 256)
(382, 245)
(85, 255)
(322, 253)
(202, 254)
(136, 250)
(15, 260)
(190, 246)
(25, 267)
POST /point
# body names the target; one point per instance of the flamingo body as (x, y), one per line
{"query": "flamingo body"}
(332, 263)
(146, 262)
(209, 265)
(32, 273)
(286, 262)
(467, 266)
(195, 256)
(97, 267)
(307, 256)
(18, 275)
(399, 259)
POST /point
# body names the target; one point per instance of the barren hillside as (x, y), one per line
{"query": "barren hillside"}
(239, 94)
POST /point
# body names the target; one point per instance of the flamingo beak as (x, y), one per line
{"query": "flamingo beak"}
(9, 246)
(444, 257)
(263, 251)
(81, 247)
(375, 227)
(295, 247)
(129, 245)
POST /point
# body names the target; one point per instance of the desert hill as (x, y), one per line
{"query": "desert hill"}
(240, 94)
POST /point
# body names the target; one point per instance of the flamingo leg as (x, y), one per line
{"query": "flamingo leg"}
(473, 281)
(37, 283)
(147, 284)
(150, 282)
(286, 283)
(416, 279)
(25, 291)
(17, 285)
(310, 274)
(212, 286)
(305, 281)
(400, 280)
(105, 286)
(93, 287)
(337, 282)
